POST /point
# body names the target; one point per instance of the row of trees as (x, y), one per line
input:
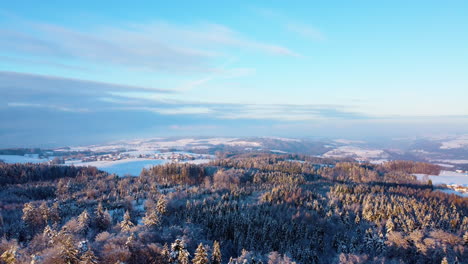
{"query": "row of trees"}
(24, 173)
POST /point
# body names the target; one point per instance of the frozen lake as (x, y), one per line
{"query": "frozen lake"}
(131, 166)
(124, 167)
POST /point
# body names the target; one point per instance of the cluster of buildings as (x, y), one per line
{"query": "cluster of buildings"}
(458, 188)
(174, 156)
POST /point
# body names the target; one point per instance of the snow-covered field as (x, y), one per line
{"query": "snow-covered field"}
(348, 141)
(452, 161)
(356, 152)
(278, 151)
(458, 142)
(447, 177)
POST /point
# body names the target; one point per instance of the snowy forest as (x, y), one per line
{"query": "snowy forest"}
(243, 208)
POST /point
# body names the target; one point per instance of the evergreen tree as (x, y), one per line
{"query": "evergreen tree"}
(444, 261)
(83, 221)
(9, 256)
(68, 250)
(126, 223)
(216, 255)
(151, 218)
(50, 234)
(161, 205)
(179, 255)
(44, 211)
(200, 256)
(103, 218)
(30, 215)
(55, 213)
(183, 257)
(390, 226)
(165, 254)
(88, 257)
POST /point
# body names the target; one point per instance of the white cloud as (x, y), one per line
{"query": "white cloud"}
(306, 31)
(49, 106)
(292, 25)
(153, 46)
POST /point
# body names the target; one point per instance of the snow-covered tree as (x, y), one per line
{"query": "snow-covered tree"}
(216, 255)
(444, 261)
(9, 256)
(68, 250)
(30, 215)
(161, 205)
(88, 257)
(200, 256)
(55, 213)
(49, 234)
(44, 211)
(179, 255)
(126, 223)
(165, 253)
(103, 218)
(83, 221)
(389, 225)
(151, 218)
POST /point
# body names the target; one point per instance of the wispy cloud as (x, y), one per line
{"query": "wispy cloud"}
(15, 82)
(222, 72)
(71, 95)
(48, 106)
(153, 46)
(292, 25)
(305, 31)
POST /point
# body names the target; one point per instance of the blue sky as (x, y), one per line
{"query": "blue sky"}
(102, 70)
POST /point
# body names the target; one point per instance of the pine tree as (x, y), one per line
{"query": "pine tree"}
(103, 218)
(126, 223)
(29, 214)
(165, 254)
(88, 257)
(390, 226)
(50, 234)
(151, 219)
(9, 256)
(216, 255)
(444, 261)
(55, 213)
(68, 250)
(179, 254)
(161, 206)
(44, 212)
(130, 240)
(83, 221)
(183, 257)
(357, 220)
(200, 256)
